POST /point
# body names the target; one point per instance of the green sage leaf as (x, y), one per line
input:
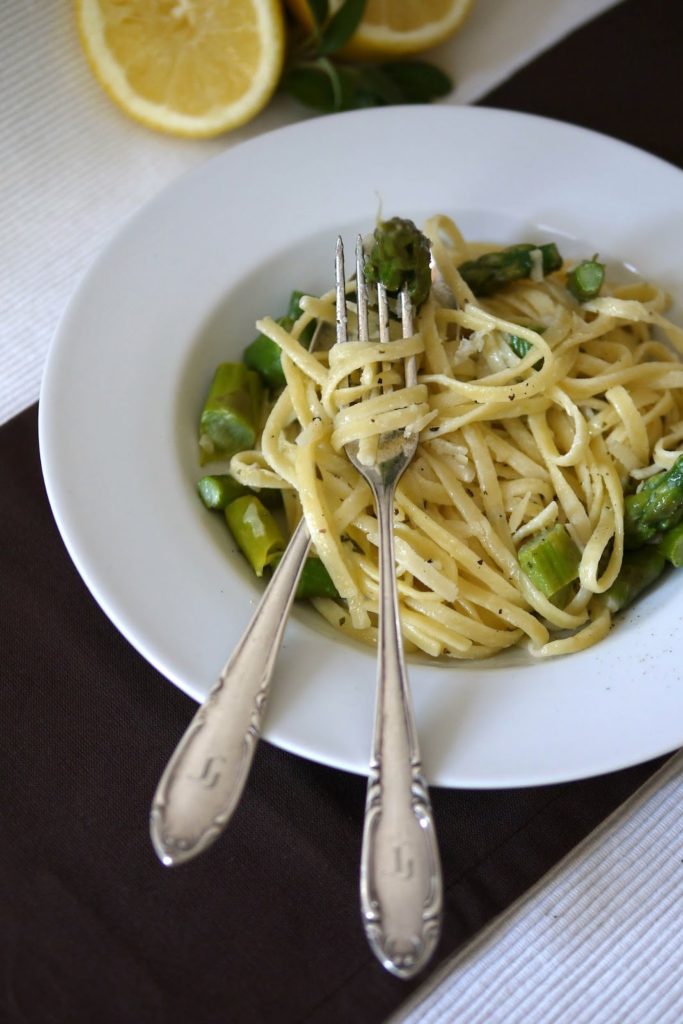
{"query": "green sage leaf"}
(341, 26)
(321, 85)
(418, 81)
(320, 10)
(311, 86)
(375, 89)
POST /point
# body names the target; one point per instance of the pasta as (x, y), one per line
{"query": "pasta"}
(509, 445)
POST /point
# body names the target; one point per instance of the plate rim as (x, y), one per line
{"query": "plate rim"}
(47, 411)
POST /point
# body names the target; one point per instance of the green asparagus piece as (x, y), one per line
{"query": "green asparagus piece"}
(655, 508)
(493, 270)
(585, 280)
(231, 415)
(550, 559)
(563, 596)
(219, 490)
(315, 580)
(400, 256)
(257, 533)
(671, 546)
(520, 346)
(638, 570)
(263, 355)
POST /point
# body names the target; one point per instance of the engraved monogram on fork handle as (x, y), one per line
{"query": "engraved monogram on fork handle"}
(401, 888)
(203, 782)
(400, 884)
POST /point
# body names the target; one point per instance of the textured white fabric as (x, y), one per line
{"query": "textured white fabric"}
(596, 941)
(73, 168)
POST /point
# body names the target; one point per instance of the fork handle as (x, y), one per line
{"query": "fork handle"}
(202, 783)
(401, 887)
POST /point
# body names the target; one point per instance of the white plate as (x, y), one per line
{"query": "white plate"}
(178, 291)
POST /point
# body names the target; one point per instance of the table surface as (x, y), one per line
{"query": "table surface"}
(265, 926)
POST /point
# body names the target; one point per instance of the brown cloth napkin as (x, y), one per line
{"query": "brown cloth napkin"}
(265, 927)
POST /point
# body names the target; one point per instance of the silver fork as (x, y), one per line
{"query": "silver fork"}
(203, 781)
(400, 884)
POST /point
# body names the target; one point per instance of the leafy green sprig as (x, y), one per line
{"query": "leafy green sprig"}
(317, 79)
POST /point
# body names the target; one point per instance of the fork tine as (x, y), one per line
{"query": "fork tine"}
(340, 284)
(407, 331)
(361, 292)
(383, 313)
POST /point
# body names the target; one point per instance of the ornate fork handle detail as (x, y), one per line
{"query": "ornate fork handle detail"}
(202, 783)
(400, 882)
(401, 888)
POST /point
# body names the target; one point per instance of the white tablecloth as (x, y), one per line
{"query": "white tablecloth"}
(598, 939)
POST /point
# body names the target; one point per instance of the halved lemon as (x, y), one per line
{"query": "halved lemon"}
(185, 67)
(395, 27)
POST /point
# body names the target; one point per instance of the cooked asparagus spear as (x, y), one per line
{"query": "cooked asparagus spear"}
(400, 256)
(638, 570)
(586, 279)
(230, 418)
(671, 546)
(655, 508)
(315, 580)
(261, 541)
(491, 271)
(257, 533)
(217, 491)
(520, 346)
(263, 355)
(551, 560)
